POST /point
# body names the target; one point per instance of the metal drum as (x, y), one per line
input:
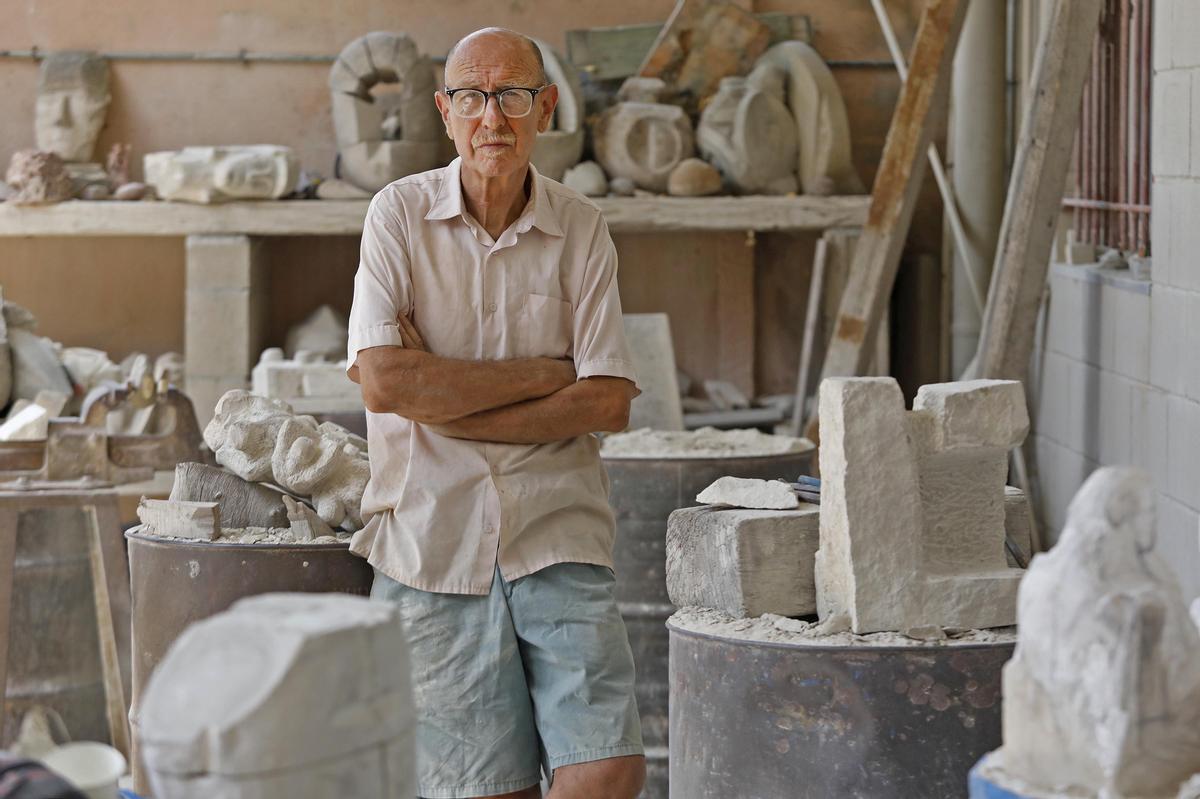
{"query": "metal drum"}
(644, 492)
(751, 720)
(177, 582)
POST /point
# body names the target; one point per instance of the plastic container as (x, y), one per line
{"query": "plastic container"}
(93, 768)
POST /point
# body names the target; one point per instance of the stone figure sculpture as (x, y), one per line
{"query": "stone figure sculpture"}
(912, 503)
(260, 439)
(750, 137)
(643, 142)
(283, 696)
(560, 148)
(72, 101)
(383, 136)
(824, 165)
(220, 174)
(1102, 696)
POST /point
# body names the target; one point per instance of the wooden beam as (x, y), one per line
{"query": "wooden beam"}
(921, 106)
(1035, 191)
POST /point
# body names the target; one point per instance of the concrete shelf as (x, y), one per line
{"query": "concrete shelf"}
(345, 217)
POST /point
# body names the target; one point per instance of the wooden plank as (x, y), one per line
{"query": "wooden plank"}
(894, 197)
(345, 217)
(1035, 191)
(9, 519)
(114, 691)
(617, 52)
(811, 316)
(735, 315)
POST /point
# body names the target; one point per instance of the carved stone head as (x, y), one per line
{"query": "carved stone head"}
(72, 101)
(254, 172)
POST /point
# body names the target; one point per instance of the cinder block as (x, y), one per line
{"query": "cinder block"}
(1185, 23)
(1148, 438)
(1176, 542)
(1163, 13)
(743, 562)
(1184, 271)
(1161, 202)
(217, 334)
(1113, 446)
(1127, 315)
(1183, 456)
(1083, 421)
(1168, 329)
(1053, 406)
(1065, 331)
(1061, 472)
(1171, 132)
(223, 262)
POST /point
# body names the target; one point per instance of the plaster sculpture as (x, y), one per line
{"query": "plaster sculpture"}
(637, 89)
(384, 136)
(823, 164)
(743, 562)
(643, 142)
(37, 178)
(72, 101)
(323, 332)
(309, 387)
(283, 696)
(1102, 696)
(169, 367)
(221, 174)
(621, 187)
(559, 148)
(741, 492)
(912, 521)
(587, 178)
(89, 367)
(750, 137)
(260, 439)
(36, 366)
(658, 406)
(693, 177)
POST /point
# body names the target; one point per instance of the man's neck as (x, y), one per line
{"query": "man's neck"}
(495, 202)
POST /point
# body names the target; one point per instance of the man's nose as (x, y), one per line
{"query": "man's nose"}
(493, 117)
(64, 114)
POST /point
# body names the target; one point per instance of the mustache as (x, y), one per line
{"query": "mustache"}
(483, 141)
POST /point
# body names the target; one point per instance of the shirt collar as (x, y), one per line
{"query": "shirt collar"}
(537, 213)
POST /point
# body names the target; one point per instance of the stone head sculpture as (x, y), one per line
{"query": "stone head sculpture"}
(217, 174)
(72, 101)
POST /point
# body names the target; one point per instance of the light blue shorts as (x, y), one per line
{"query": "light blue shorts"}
(536, 675)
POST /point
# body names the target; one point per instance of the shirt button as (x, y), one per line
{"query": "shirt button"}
(492, 307)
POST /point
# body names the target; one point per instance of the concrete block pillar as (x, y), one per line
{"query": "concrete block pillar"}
(226, 314)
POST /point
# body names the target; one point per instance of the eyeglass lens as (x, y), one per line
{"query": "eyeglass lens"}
(513, 102)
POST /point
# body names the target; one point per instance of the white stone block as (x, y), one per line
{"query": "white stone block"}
(741, 492)
(1053, 395)
(1183, 454)
(1083, 428)
(222, 263)
(1114, 433)
(1127, 326)
(1170, 149)
(180, 519)
(1185, 234)
(1176, 541)
(1185, 24)
(1162, 198)
(743, 562)
(1168, 331)
(31, 423)
(1148, 436)
(1065, 325)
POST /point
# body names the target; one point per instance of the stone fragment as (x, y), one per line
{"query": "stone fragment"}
(725, 396)
(116, 164)
(324, 332)
(1102, 696)
(693, 178)
(243, 503)
(658, 406)
(36, 366)
(557, 149)
(178, 519)
(53, 401)
(587, 178)
(750, 137)
(823, 161)
(743, 562)
(89, 181)
(283, 696)
(221, 174)
(741, 492)
(37, 178)
(382, 136)
(95, 191)
(129, 192)
(169, 367)
(72, 102)
(1016, 523)
(643, 142)
(621, 187)
(305, 523)
(29, 423)
(340, 190)
(637, 89)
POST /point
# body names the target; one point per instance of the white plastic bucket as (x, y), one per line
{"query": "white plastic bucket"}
(93, 768)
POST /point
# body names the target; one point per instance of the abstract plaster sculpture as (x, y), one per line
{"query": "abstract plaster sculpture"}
(283, 696)
(72, 101)
(220, 174)
(384, 136)
(643, 142)
(912, 503)
(559, 148)
(823, 162)
(750, 136)
(1102, 697)
(260, 439)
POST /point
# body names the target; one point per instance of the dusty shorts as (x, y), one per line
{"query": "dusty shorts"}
(536, 675)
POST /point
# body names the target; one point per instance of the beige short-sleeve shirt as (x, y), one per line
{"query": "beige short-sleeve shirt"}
(440, 512)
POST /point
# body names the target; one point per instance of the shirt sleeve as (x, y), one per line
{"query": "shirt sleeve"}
(600, 346)
(382, 285)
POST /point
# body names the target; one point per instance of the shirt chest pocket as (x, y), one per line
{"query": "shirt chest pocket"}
(544, 327)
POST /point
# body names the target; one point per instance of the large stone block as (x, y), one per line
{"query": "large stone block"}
(743, 562)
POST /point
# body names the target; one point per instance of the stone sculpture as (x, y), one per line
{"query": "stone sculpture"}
(260, 439)
(750, 136)
(1102, 697)
(36, 366)
(220, 174)
(823, 164)
(913, 503)
(323, 332)
(643, 142)
(309, 386)
(72, 101)
(559, 148)
(693, 177)
(384, 136)
(37, 177)
(587, 178)
(283, 696)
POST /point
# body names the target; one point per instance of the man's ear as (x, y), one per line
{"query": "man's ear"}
(549, 99)
(443, 105)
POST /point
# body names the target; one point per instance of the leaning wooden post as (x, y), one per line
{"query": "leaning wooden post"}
(894, 196)
(1035, 191)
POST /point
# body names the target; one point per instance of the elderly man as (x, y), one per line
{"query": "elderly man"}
(486, 334)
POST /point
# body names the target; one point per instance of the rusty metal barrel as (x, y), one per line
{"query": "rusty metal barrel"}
(178, 582)
(752, 719)
(644, 492)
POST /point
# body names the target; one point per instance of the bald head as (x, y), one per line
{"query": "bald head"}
(496, 44)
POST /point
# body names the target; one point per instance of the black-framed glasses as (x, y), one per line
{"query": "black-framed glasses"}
(515, 102)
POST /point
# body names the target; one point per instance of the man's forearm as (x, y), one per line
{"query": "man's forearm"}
(434, 390)
(588, 406)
